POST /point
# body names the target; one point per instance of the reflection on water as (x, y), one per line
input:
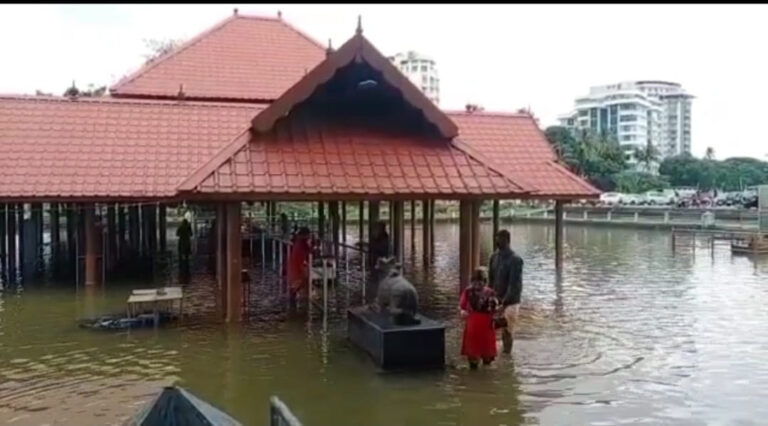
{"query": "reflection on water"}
(629, 333)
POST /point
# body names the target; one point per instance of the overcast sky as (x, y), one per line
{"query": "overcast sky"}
(501, 56)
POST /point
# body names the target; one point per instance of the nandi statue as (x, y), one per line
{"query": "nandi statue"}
(396, 295)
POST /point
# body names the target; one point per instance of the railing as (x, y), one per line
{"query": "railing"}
(280, 414)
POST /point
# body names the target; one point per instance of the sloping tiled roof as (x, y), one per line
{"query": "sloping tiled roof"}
(515, 144)
(242, 58)
(102, 147)
(349, 162)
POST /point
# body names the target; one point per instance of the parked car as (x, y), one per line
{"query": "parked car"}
(660, 197)
(611, 198)
(633, 199)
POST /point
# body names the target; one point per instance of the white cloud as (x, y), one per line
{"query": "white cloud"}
(501, 56)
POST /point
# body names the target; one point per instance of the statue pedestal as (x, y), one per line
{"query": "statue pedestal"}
(393, 346)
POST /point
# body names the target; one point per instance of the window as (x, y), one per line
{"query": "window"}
(627, 118)
(423, 68)
(423, 79)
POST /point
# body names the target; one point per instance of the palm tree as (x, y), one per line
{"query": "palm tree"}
(647, 155)
(710, 153)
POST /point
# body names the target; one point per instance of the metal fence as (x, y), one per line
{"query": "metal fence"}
(280, 414)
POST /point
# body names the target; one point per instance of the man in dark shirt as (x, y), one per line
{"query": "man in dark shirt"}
(505, 273)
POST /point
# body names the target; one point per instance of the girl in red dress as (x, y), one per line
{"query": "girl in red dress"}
(298, 269)
(477, 304)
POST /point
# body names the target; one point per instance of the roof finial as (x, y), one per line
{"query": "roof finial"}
(279, 14)
(235, 11)
(359, 30)
(181, 93)
(329, 50)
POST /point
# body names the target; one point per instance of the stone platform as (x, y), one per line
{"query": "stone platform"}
(396, 347)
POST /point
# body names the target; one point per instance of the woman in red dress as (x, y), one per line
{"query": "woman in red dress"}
(477, 304)
(298, 268)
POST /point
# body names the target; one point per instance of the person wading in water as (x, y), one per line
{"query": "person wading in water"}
(477, 305)
(184, 233)
(505, 273)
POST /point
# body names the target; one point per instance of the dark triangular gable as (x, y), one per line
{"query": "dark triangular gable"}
(357, 50)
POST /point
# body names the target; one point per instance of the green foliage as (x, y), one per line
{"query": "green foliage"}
(732, 174)
(160, 47)
(637, 182)
(91, 92)
(596, 157)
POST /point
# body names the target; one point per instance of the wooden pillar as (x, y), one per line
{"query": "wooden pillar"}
(413, 226)
(432, 225)
(398, 229)
(92, 247)
(152, 228)
(55, 232)
(426, 246)
(558, 236)
(373, 217)
(465, 242)
(71, 231)
(163, 227)
(495, 219)
(321, 220)
(234, 268)
(361, 221)
(221, 257)
(3, 242)
(111, 234)
(344, 222)
(121, 228)
(20, 231)
(475, 234)
(333, 207)
(11, 232)
(36, 215)
(133, 228)
(391, 226)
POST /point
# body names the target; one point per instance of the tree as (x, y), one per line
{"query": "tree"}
(91, 92)
(636, 182)
(710, 154)
(647, 155)
(160, 47)
(732, 174)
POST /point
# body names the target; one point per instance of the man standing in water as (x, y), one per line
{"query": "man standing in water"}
(505, 274)
(184, 232)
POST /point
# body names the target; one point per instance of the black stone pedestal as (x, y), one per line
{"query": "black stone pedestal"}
(398, 347)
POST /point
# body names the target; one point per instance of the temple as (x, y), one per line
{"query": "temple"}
(254, 110)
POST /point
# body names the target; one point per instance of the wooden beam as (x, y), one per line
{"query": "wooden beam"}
(361, 221)
(163, 227)
(221, 258)
(413, 225)
(373, 217)
(321, 220)
(495, 219)
(11, 218)
(558, 237)
(55, 231)
(465, 242)
(112, 233)
(3, 242)
(344, 222)
(234, 263)
(333, 207)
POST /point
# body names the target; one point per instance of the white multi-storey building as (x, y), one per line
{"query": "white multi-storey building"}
(637, 113)
(422, 72)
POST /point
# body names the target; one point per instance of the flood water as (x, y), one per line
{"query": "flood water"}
(630, 334)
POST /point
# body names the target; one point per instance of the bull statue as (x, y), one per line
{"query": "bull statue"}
(395, 294)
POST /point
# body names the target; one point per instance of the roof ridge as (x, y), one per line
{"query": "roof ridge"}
(282, 20)
(189, 43)
(487, 113)
(127, 100)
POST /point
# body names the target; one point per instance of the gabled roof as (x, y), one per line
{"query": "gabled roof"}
(243, 58)
(106, 148)
(357, 49)
(515, 144)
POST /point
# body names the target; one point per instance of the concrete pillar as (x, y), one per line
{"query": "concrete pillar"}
(426, 246)
(475, 234)
(398, 229)
(495, 220)
(92, 247)
(465, 243)
(234, 267)
(558, 236)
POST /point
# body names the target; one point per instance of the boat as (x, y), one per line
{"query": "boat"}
(116, 322)
(756, 244)
(175, 406)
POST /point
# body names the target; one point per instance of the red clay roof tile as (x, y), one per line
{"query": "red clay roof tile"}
(242, 58)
